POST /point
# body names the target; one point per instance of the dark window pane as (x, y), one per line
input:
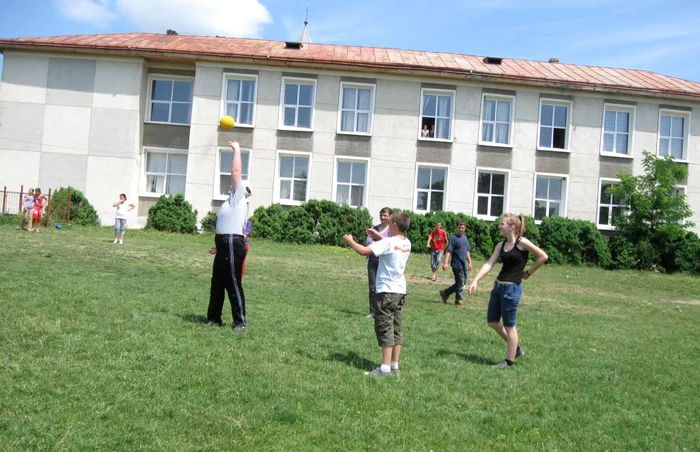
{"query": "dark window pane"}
(356, 195)
(496, 206)
(482, 205)
(422, 200)
(438, 179)
(300, 190)
(436, 201)
(484, 183)
(499, 184)
(301, 165)
(604, 215)
(423, 178)
(559, 141)
(540, 210)
(224, 184)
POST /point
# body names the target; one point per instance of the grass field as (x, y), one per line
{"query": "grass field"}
(103, 348)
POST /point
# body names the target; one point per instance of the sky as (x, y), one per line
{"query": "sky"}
(658, 35)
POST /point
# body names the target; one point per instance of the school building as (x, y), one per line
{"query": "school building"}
(138, 113)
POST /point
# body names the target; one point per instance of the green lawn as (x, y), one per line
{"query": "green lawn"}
(103, 348)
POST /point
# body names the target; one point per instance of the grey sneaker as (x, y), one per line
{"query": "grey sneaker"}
(520, 352)
(378, 373)
(501, 365)
(239, 328)
(443, 296)
(395, 371)
(211, 323)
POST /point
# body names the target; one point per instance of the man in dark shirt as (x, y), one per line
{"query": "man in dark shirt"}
(457, 253)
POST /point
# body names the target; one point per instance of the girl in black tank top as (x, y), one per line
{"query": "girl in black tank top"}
(507, 291)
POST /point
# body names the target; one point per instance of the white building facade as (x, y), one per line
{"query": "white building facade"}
(108, 120)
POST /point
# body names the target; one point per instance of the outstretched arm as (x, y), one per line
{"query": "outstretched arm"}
(359, 249)
(237, 166)
(485, 269)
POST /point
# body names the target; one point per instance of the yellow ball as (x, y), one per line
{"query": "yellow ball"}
(226, 123)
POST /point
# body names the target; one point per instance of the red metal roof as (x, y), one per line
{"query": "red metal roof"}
(370, 59)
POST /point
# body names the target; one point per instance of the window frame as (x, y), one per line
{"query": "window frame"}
(506, 195)
(276, 184)
(686, 132)
(245, 173)
(420, 165)
(569, 115)
(144, 176)
(339, 158)
(298, 81)
(599, 225)
(565, 197)
(149, 98)
(224, 91)
(496, 97)
(372, 87)
(632, 110)
(438, 92)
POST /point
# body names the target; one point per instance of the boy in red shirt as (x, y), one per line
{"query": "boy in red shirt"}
(436, 243)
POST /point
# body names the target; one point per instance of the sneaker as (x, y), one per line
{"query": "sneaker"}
(459, 304)
(520, 352)
(378, 373)
(443, 296)
(501, 365)
(369, 316)
(395, 371)
(115, 241)
(121, 242)
(211, 323)
(239, 328)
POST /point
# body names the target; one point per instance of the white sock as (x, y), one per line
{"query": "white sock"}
(394, 365)
(115, 241)
(385, 368)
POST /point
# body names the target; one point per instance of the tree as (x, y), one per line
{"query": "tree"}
(652, 221)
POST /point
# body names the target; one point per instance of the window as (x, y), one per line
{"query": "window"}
(298, 97)
(240, 93)
(292, 184)
(496, 120)
(170, 101)
(550, 194)
(436, 111)
(491, 193)
(673, 133)
(618, 124)
(350, 182)
(165, 173)
(356, 106)
(223, 181)
(608, 206)
(430, 189)
(554, 124)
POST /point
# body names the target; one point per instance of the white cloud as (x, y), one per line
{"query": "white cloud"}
(241, 18)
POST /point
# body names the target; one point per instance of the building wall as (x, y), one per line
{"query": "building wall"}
(81, 122)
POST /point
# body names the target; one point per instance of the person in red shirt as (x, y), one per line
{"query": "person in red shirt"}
(436, 243)
(38, 212)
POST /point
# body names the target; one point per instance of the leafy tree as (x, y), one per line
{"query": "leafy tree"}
(172, 214)
(81, 211)
(653, 217)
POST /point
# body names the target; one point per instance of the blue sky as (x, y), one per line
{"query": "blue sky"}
(658, 35)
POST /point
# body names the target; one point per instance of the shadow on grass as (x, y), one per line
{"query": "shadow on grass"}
(349, 312)
(353, 359)
(476, 359)
(193, 318)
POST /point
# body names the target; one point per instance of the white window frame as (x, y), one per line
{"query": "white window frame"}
(506, 195)
(501, 98)
(143, 192)
(420, 165)
(149, 103)
(245, 172)
(632, 110)
(298, 81)
(224, 91)
(686, 132)
(365, 190)
(565, 197)
(569, 115)
(609, 226)
(438, 92)
(276, 194)
(372, 88)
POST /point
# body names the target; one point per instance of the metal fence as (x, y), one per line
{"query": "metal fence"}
(12, 203)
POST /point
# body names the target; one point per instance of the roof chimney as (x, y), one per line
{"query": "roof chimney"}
(493, 60)
(554, 60)
(171, 32)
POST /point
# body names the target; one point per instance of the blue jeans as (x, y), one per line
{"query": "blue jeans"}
(458, 287)
(504, 303)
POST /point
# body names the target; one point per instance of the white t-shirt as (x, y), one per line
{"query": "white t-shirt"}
(122, 210)
(233, 213)
(393, 254)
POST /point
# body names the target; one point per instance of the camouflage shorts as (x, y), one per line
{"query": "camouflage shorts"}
(387, 318)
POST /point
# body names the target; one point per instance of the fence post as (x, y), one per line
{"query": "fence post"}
(21, 202)
(68, 207)
(4, 199)
(48, 211)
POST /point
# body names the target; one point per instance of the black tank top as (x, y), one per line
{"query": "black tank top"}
(514, 262)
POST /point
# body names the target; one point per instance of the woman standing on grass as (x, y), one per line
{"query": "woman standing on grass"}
(38, 211)
(513, 252)
(28, 210)
(375, 233)
(120, 218)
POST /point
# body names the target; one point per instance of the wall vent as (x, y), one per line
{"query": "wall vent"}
(293, 45)
(493, 60)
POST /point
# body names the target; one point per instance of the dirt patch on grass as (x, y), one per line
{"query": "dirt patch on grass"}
(688, 302)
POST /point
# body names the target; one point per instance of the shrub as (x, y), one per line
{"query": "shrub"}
(172, 214)
(574, 242)
(269, 222)
(683, 254)
(81, 211)
(332, 221)
(209, 222)
(11, 219)
(300, 227)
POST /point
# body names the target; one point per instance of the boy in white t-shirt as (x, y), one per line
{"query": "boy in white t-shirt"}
(393, 254)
